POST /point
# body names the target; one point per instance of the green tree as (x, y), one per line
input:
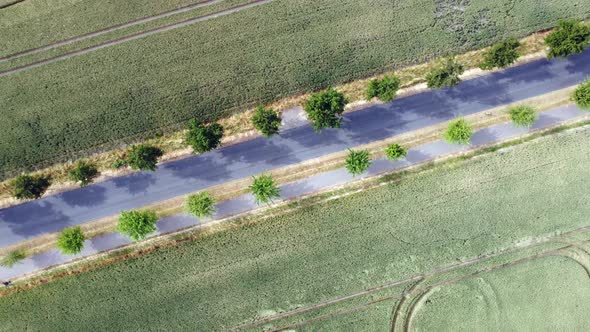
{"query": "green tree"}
(570, 37)
(83, 173)
(324, 109)
(264, 189)
(203, 138)
(12, 258)
(501, 55)
(581, 95)
(523, 115)
(71, 240)
(385, 88)
(395, 152)
(30, 187)
(144, 157)
(267, 121)
(445, 76)
(201, 204)
(357, 161)
(137, 224)
(458, 132)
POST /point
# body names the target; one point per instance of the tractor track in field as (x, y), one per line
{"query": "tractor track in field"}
(135, 36)
(424, 275)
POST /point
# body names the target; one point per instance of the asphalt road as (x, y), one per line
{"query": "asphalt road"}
(292, 146)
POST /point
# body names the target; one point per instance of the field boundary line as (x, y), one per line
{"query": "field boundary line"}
(135, 36)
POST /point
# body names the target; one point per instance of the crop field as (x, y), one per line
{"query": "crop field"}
(467, 235)
(120, 94)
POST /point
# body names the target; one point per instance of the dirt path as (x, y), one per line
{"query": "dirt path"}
(135, 36)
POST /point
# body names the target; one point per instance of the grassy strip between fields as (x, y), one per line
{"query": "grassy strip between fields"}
(457, 210)
(239, 127)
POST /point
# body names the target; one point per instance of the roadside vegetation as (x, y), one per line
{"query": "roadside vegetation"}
(83, 173)
(324, 109)
(30, 186)
(523, 115)
(395, 152)
(264, 189)
(143, 157)
(137, 225)
(71, 240)
(582, 95)
(357, 161)
(501, 55)
(447, 75)
(570, 37)
(201, 205)
(267, 121)
(384, 88)
(458, 132)
(203, 137)
(13, 258)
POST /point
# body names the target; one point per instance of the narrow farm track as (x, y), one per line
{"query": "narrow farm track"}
(421, 276)
(113, 28)
(135, 36)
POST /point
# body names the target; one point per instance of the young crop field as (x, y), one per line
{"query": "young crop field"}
(346, 264)
(120, 94)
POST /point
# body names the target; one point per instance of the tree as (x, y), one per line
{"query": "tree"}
(523, 115)
(570, 37)
(395, 152)
(267, 121)
(445, 76)
(357, 161)
(144, 157)
(385, 88)
(200, 205)
(203, 138)
(264, 189)
(501, 55)
(324, 109)
(137, 224)
(458, 132)
(84, 173)
(30, 187)
(582, 95)
(71, 240)
(12, 258)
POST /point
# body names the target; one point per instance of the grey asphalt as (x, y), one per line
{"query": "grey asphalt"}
(321, 181)
(292, 146)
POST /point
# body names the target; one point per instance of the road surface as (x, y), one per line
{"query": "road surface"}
(292, 146)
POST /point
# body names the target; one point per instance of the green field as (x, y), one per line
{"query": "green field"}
(123, 93)
(454, 212)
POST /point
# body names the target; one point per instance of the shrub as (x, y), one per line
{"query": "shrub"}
(30, 187)
(445, 76)
(71, 240)
(12, 258)
(201, 204)
(267, 121)
(458, 132)
(357, 161)
(203, 138)
(324, 109)
(582, 95)
(385, 88)
(144, 157)
(523, 115)
(118, 163)
(568, 38)
(264, 189)
(137, 224)
(501, 55)
(84, 173)
(395, 152)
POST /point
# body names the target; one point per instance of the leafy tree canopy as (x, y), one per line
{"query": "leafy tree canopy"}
(385, 88)
(501, 55)
(83, 173)
(267, 121)
(29, 186)
(357, 161)
(137, 224)
(144, 157)
(570, 37)
(395, 152)
(264, 189)
(523, 115)
(71, 240)
(458, 132)
(446, 75)
(203, 137)
(582, 95)
(324, 109)
(200, 205)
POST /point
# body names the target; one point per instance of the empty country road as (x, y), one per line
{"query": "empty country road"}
(292, 146)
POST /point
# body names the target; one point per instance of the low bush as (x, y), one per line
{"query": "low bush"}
(203, 138)
(581, 95)
(267, 121)
(83, 173)
(458, 132)
(118, 163)
(200, 205)
(523, 115)
(385, 89)
(264, 189)
(445, 76)
(71, 240)
(324, 109)
(395, 152)
(357, 161)
(29, 186)
(12, 258)
(570, 37)
(144, 157)
(501, 55)
(137, 225)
